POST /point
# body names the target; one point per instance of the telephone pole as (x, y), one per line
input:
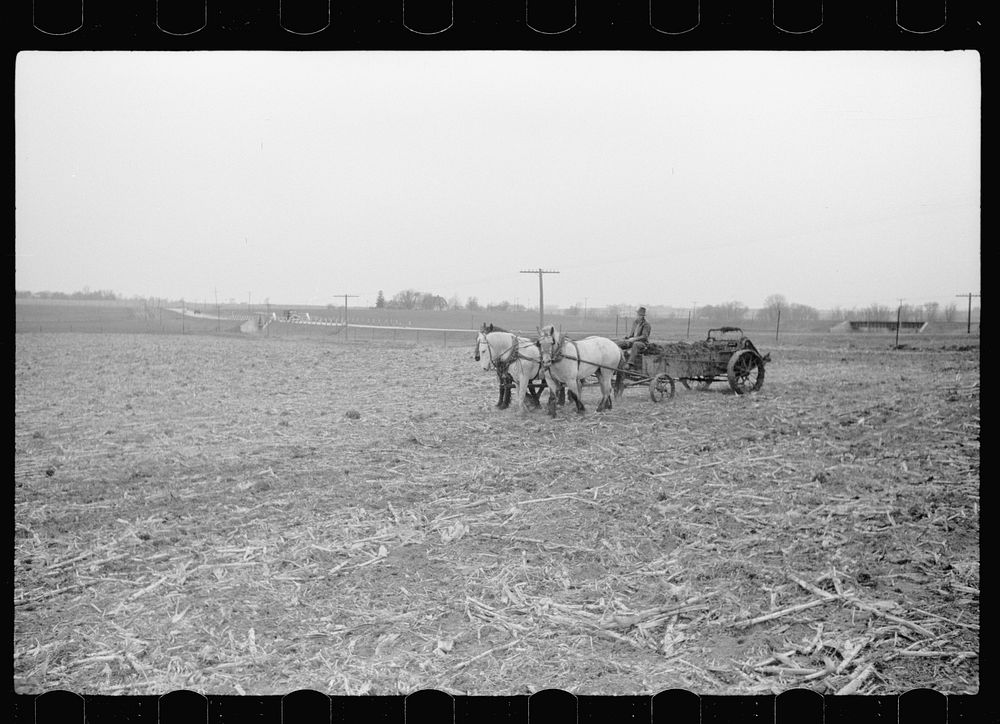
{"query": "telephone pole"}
(968, 324)
(899, 317)
(345, 296)
(541, 291)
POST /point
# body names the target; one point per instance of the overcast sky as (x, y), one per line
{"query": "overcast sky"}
(832, 178)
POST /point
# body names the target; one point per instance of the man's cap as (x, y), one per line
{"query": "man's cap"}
(642, 309)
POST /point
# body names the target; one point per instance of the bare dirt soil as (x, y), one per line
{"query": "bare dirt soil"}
(259, 515)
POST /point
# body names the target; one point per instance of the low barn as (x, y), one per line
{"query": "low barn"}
(878, 326)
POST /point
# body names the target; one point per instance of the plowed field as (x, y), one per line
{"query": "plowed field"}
(259, 515)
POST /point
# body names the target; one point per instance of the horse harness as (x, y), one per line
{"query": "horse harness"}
(502, 365)
(559, 353)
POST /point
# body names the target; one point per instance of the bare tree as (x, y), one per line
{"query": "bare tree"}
(802, 313)
(406, 299)
(772, 304)
(950, 313)
(931, 311)
(733, 311)
(432, 301)
(877, 313)
(912, 313)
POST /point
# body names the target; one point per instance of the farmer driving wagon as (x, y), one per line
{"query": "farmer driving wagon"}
(637, 338)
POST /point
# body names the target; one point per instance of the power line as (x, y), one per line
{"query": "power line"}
(541, 291)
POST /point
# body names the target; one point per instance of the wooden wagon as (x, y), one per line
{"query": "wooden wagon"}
(726, 354)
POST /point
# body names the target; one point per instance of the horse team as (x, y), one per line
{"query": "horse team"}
(563, 363)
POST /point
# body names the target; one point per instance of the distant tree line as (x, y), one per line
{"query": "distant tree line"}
(411, 299)
(104, 294)
(734, 312)
(414, 299)
(929, 312)
(775, 304)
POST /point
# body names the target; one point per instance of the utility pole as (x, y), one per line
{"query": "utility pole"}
(585, 307)
(218, 320)
(899, 315)
(345, 296)
(541, 291)
(968, 324)
(690, 314)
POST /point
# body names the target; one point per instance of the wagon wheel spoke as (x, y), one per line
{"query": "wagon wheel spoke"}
(660, 387)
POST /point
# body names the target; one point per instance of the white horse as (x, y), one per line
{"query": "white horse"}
(568, 362)
(515, 359)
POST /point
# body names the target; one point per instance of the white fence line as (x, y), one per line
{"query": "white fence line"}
(413, 329)
(315, 322)
(319, 322)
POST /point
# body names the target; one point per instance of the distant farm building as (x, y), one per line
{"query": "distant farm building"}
(878, 326)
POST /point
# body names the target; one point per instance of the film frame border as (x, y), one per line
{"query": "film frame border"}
(410, 25)
(508, 25)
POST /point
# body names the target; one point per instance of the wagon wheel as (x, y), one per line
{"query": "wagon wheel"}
(745, 371)
(661, 386)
